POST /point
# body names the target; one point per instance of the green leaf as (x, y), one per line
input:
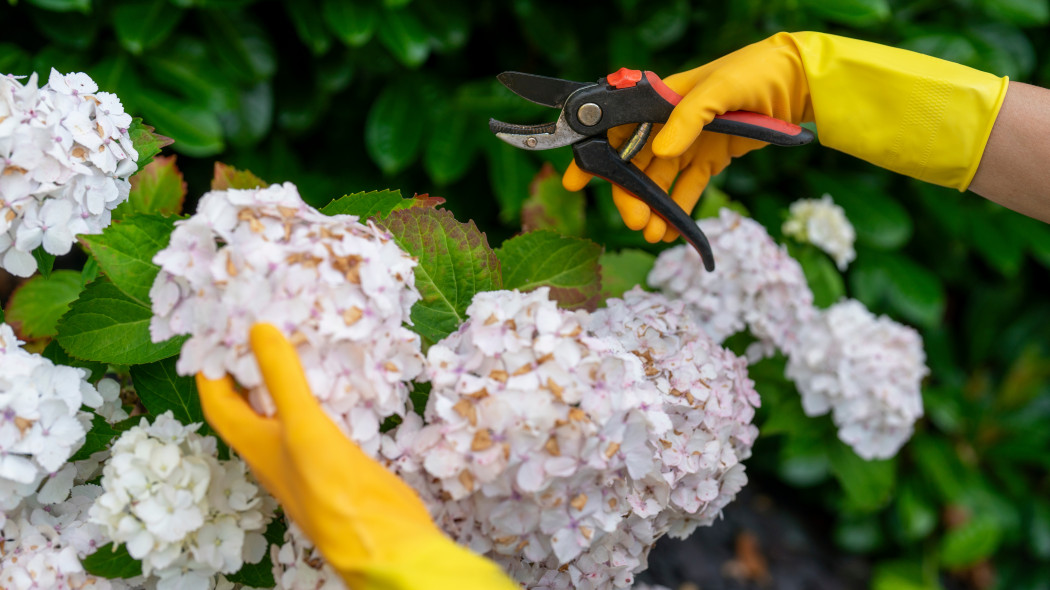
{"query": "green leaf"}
(868, 484)
(36, 305)
(569, 266)
(158, 188)
(455, 262)
(992, 238)
(950, 46)
(714, 200)
(803, 461)
(102, 435)
(916, 513)
(902, 575)
(914, 291)
(124, 251)
(975, 540)
(1004, 50)
(666, 23)
(112, 562)
(54, 353)
(377, 204)
(44, 261)
(880, 220)
(306, 17)
(393, 134)
(239, 45)
(822, 275)
(63, 5)
(623, 270)
(260, 575)
(146, 142)
(162, 389)
(451, 147)
(64, 28)
(856, 13)
(1039, 530)
(107, 326)
(939, 465)
(142, 25)
(1025, 13)
(861, 534)
(352, 22)
(404, 36)
(448, 23)
(194, 130)
(510, 170)
(550, 206)
(225, 177)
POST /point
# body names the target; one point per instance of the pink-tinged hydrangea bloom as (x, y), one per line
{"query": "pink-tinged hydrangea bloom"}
(41, 424)
(755, 284)
(555, 442)
(65, 157)
(179, 509)
(298, 565)
(866, 370)
(709, 397)
(536, 432)
(339, 289)
(44, 544)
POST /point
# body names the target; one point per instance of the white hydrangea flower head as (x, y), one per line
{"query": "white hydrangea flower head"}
(824, 224)
(708, 395)
(44, 544)
(339, 289)
(65, 159)
(298, 565)
(867, 371)
(176, 507)
(537, 433)
(755, 284)
(41, 424)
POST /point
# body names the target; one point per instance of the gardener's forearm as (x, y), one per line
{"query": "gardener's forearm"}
(1015, 167)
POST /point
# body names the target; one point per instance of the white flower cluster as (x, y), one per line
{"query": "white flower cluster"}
(706, 392)
(298, 565)
(41, 424)
(340, 290)
(755, 284)
(824, 224)
(867, 371)
(65, 156)
(177, 507)
(544, 443)
(42, 546)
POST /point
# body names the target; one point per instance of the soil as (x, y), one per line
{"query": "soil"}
(758, 545)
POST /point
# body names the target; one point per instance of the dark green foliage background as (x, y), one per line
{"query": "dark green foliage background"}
(341, 97)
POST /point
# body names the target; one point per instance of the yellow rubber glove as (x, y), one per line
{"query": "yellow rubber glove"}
(907, 112)
(369, 525)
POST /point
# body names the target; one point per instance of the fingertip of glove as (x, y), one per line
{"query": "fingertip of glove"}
(667, 144)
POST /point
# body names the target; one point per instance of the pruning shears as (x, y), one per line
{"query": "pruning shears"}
(589, 110)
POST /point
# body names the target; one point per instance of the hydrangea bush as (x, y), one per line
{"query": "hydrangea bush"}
(552, 414)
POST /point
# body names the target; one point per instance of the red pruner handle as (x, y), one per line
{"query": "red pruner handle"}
(760, 127)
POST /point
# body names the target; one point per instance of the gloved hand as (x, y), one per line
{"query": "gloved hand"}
(369, 525)
(911, 113)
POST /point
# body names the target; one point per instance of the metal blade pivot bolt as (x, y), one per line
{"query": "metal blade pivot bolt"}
(589, 114)
(530, 142)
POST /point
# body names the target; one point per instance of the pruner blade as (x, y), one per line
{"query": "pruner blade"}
(536, 137)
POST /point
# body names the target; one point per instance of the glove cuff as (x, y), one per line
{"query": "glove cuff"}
(911, 113)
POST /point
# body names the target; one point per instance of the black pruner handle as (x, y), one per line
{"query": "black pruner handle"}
(596, 156)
